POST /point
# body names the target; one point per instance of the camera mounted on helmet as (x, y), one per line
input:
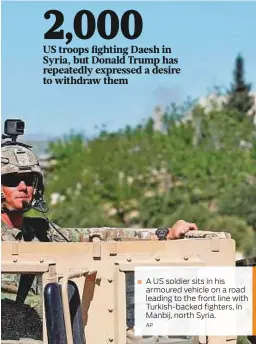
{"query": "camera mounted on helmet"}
(12, 129)
(18, 160)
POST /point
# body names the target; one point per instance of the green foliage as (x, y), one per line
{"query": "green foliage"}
(239, 230)
(201, 170)
(241, 201)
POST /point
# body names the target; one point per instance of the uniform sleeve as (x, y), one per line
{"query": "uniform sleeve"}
(59, 234)
(10, 234)
(124, 234)
(118, 234)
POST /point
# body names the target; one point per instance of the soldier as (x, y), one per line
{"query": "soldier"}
(22, 189)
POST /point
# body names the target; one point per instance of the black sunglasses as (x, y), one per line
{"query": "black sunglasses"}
(13, 180)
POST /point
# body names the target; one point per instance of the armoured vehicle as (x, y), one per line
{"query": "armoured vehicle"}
(86, 296)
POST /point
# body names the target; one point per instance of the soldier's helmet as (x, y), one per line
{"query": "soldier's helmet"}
(17, 158)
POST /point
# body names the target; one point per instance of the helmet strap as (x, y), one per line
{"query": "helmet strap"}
(38, 203)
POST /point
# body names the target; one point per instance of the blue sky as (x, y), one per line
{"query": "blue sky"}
(205, 36)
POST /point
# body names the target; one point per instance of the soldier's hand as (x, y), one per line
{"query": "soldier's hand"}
(179, 229)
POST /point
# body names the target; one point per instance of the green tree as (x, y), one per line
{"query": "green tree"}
(239, 97)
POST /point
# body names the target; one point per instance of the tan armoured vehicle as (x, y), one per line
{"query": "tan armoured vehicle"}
(86, 284)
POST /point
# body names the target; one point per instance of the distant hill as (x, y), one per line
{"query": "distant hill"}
(39, 147)
(38, 142)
